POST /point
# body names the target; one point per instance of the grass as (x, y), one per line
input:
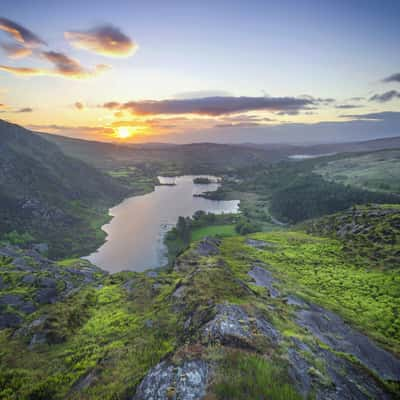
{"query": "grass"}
(112, 334)
(316, 269)
(214, 230)
(378, 171)
(95, 331)
(245, 376)
(370, 234)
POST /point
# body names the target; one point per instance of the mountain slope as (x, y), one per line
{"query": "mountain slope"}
(280, 315)
(46, 193)
(187, 158)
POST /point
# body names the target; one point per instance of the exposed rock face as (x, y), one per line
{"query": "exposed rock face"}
(333, 331)
(233, 326)
(42, 248)
(258, 244)
(166, 381)
(9, 320)
(299, 371)
(191, 260)
(208, 247)
(349, 382)
(265, 279)
(342, 379)
(39, 280)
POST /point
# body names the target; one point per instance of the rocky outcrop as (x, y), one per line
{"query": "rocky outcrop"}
(30, 280)
(233, 326)
(166, 381)
(207, 247)
(264, 278)
(259, 244)
(330, 329)
(339, 380)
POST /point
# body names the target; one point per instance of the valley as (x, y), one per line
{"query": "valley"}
(199, 200)
(296, 296)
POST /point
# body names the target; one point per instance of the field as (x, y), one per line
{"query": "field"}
(214, 230)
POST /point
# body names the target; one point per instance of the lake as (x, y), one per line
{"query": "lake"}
(135, 235)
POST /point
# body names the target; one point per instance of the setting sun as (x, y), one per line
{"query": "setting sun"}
(123, 132)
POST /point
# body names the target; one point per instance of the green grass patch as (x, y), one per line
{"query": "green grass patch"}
(316, 269)
(214, 230)
(245, 376)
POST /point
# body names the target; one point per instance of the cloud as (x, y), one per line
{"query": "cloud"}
(70, 67)
(392, 78)
(320, 100)
(64, 66)
(24, 110)
(212, 106)
(111, 105)
(387, 96)
(106, 40)
(78, 105)
(239, 125)
(245, 118)
(347, 106)
(20, 34)
(16, 51)
(288, 112)
(362, 127)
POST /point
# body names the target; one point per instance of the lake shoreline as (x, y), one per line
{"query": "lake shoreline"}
(150, 216)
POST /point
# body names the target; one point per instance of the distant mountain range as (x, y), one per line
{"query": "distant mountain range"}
(196, 156)
(58, 189)
(329, 148)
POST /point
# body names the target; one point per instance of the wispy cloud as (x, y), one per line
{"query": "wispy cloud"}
(392, 78)
(347, 106)
(64, 66)
(212, 106)
(387, 96)
(16, 51)
(26, 43)
(288, 112)
(106, 40)
(24, 110)
(357, 98)
(79, 105)
(6, 109)
(20, 33)
(239, 125)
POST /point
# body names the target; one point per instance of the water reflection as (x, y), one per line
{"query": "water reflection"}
(136, 232)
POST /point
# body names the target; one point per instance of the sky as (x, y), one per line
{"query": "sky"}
(189, 71)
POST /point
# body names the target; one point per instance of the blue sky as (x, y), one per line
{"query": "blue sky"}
(338, 50)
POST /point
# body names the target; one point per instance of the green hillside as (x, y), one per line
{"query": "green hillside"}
(239, 317)
(378, 171)
(54, 198)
